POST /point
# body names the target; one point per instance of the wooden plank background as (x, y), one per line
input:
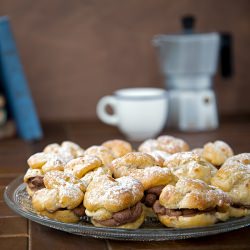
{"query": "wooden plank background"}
(76, 51)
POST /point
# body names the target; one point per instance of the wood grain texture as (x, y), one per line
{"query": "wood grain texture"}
(9, 243)
(74, 52)
(13, 226)
(228, 241)
(55, 239)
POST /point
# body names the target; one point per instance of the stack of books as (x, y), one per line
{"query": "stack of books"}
(13, 83)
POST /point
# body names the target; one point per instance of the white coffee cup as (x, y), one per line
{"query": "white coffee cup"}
(139, 113)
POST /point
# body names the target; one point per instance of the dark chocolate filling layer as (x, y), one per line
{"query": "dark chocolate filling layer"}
(151, 195)
(123, 217)
(240, 205)
(79, 211)
(161, 210)
(36, 183)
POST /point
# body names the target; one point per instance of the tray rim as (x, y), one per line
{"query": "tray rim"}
(141, 234)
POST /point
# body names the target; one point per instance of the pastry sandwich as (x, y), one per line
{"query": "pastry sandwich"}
(191, 203)
(190, 165)
(143, 167)
(113, 202)
(61, 198)
(234, 178)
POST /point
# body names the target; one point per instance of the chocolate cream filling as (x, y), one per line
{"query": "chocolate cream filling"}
(240, 205)
(151, 195)
(36, 183)
(161, 210)
(123, 217)
(78, 211)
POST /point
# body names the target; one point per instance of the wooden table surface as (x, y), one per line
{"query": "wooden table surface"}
(19, 233)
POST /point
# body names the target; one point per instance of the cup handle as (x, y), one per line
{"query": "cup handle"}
(102, 113)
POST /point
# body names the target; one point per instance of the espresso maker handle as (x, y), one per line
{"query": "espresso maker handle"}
(226, 55)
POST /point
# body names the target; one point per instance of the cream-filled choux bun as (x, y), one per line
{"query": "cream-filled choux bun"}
(216, 152)
(190, 165)
(61, 199)
(118, 147)
(115, 202)
(41, 163)
(162, 147)
(67, 150)
(166, 143)
(234, 178)
(191, 203)
(143, 167)
(86, 168)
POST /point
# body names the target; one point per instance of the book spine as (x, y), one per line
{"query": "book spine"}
(3, 117)
(16, 87)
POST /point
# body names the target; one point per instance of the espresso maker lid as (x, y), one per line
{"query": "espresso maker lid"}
(188, 53)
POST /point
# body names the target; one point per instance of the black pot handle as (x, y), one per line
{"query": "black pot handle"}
(226, 55)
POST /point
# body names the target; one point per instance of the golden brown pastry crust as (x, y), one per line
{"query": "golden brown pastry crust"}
(57, 179)
(197, 151)
(164, 143)
(50, 200)
(63, 193)
(199, 220)
(238, 212)
(67, 150)
(131, 161)
(234, 178)
(101, 152)
(112, 195)
(217, 152)
(172, 144)
(193, 194)
(66, 216)
(82, 165)
(88, 177)
(46, 161)
(142, 167)
(190, 165)
(160, 156)
(153, 176)
(118, 147)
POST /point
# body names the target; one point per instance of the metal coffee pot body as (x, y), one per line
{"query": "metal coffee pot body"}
(188, 62)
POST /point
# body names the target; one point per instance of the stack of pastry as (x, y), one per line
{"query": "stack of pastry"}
(116, 186)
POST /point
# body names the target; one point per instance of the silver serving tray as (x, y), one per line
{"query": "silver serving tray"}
(18, 200)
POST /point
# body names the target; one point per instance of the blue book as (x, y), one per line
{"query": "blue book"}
(15, 85)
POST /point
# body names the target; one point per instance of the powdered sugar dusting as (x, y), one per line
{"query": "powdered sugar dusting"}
(206, 195)
(148, 146)
(67, 150)
(46, 161)
(106, 189)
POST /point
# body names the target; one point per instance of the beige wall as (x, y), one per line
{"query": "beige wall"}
(76, 51)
